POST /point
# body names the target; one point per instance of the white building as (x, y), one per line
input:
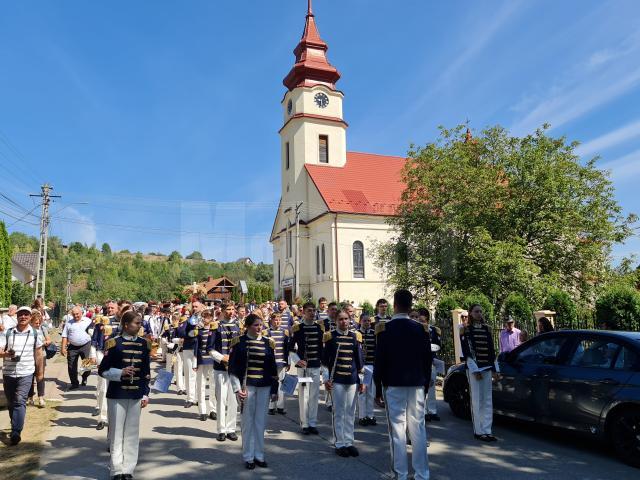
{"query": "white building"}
(24, 267)
(342, 199)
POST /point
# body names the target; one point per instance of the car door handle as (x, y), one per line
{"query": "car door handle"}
(609, 381)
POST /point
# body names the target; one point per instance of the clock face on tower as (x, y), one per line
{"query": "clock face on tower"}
(321, 100)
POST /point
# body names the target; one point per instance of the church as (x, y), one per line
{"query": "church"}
(334, 204)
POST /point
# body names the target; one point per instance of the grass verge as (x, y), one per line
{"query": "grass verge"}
(21, 462)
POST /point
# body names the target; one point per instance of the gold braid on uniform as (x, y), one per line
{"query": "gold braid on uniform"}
(326, 337)
(272, 343)
(359, 337)
(110, 343)
(296, 327)
(234, 341)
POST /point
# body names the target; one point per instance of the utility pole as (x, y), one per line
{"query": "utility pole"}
(68, 300)
(41, 277)
(297, 284)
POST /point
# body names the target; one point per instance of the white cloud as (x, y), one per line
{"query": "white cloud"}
(613, 138)
(606, 75)
(73, 226)
(624, 168)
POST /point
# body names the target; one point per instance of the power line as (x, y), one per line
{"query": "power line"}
(25, 216)
(18, 219)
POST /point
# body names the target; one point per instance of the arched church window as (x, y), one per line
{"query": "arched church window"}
(358, 259)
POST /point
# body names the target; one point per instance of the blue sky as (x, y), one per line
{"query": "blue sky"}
(163, 115)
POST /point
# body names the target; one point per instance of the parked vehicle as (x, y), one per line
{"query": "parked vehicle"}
(583, 380)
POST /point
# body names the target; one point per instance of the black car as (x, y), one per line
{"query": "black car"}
(583, 380)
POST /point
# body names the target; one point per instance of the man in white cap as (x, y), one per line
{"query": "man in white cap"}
(20, 346)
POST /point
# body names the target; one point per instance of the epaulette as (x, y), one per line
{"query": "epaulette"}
(326, 337)
(296, 327)
(214, 325)
(235, 341)
(321, 323)
(358, 336)
(380, 327)
(265, 333)
(438, 331)
(110, 343)
(149, 343)
(272, 343)
(286, 333)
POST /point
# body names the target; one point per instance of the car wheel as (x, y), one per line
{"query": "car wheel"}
(458, 395)
(625, 435)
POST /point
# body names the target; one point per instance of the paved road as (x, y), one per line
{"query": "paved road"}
(175, 444)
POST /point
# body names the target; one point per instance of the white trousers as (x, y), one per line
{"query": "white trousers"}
(308, 396)
(254, 414)
(101, 391)
(124, 437)
(324, 372)
(365, 401)
(178, 371)
(226, 403)
(204, 375)
(163, 349)
(168, 362)
(481, 402)
(280, 402)
(344, 413)
(190, 362)
(405, 412)
(432, 406)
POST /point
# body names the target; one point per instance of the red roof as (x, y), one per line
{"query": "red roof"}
(312, 66)
(368, 183)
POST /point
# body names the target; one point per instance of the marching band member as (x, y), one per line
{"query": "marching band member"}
(329, 322)
(403, 368)
(174, 359)
(105, 328)
(431, 412)
(381, 316)
(480, 357)
(241, 314)
(365, 400)
(204, 373)
(280, 335)
(322, 313)
(224, 331)
(254, 377)
(306, 355)
(126, 365)
(342, 354)
(188, 331)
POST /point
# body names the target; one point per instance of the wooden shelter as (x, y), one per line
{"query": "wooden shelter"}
(218, 288)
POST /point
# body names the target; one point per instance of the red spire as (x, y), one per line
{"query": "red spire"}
(311, 67)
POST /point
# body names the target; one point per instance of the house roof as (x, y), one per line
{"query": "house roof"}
(212, 283)
(367, 184)
(28, 261)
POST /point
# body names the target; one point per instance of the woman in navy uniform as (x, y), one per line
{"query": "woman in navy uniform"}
(204, 372)
(342, 355)
(480, 357)
(365, 400)
(126, 366)
(254, 378)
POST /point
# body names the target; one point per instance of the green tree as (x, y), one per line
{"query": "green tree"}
(6, 251)
(174, 256)
(106, 249)
(21, 294)
(561, 302)
(195, 256)
(517, 307)
(619, 308)
(503, 214)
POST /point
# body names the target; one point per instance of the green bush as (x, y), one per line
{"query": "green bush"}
(367, 307)
(449, 301)
(487, 307)
(518, 308)
(565, 308)
(620, 308)
(21, 294)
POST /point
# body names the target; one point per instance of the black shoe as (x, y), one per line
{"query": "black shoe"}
(330, 408)
(95, 413)
(232, 436)
(314, 430)
(363, 422)
(305, 431)
(483, 438)
(272, 411)
(373, 421)
(213, 415)
(84, 382)
(117, 477)
(221, 437)
(491, 438)
(435, 417)
(100, 425)
(353, 451)
(282, 411)
(249, 465)
(15, 439)
(261, 464)
(127, 476)
(342, 452)
(181, 392)
(188, 404)
(203, 418)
